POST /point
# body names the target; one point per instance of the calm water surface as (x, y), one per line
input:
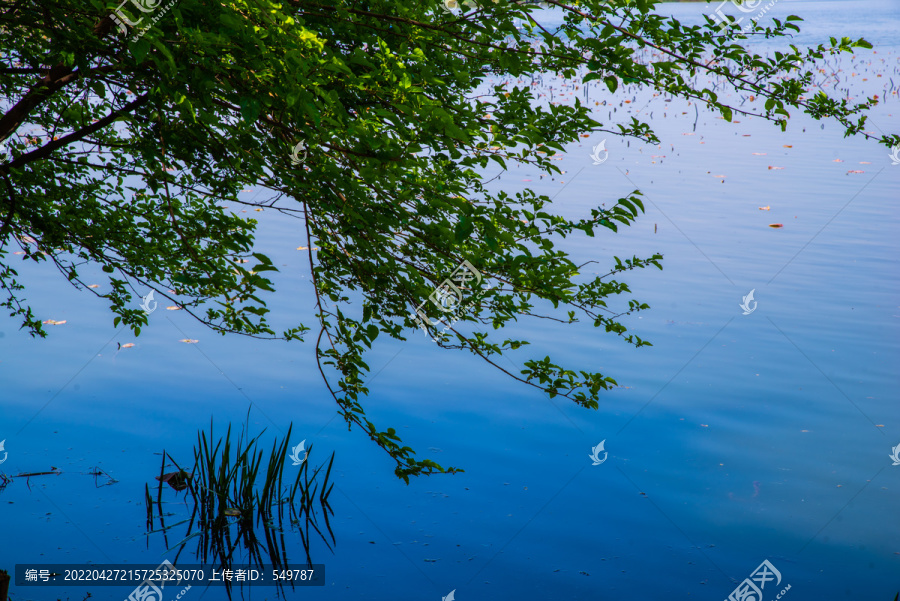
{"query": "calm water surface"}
(735, 438)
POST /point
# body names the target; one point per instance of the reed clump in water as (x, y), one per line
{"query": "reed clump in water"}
(236, 488)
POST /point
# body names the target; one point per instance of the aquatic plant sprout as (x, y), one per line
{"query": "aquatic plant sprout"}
(234, 491)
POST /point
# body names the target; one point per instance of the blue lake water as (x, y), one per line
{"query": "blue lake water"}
(734, 439)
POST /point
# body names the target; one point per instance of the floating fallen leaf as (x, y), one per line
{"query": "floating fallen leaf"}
(53, 322)
(232, 511)
(771, 167)
(776, 225)
(242, 260)
(93, 285)
(127, 345)
(307, 248)
(760, 154)
(585, 135)
(257, 210)
(855, 171)
(177, 480)
(189, 341)
(865, 163)
(704, 425)
(19, 252)
(786, 146)
(173, 308)
(837, 161)
(719, 176)
(765, 208)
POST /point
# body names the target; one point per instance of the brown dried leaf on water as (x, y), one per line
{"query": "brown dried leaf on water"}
(776, 225)
(765, 208)
(771, 167)
(93, 285)
(855, 171)
(786, 146)
(760, 154)
(177, 480)
(53, 322)
(231, 511)
(307, 248)
(127, 345)
(257, 210)
(838, 161)
(189, 341)
(173, 308)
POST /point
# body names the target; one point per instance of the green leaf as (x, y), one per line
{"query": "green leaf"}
(612, 83)
(139, 50)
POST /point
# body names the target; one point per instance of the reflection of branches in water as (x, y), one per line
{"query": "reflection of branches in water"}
(231, 497)
(96, 472)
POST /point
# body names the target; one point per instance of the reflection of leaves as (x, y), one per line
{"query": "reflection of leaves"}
(177, 480)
